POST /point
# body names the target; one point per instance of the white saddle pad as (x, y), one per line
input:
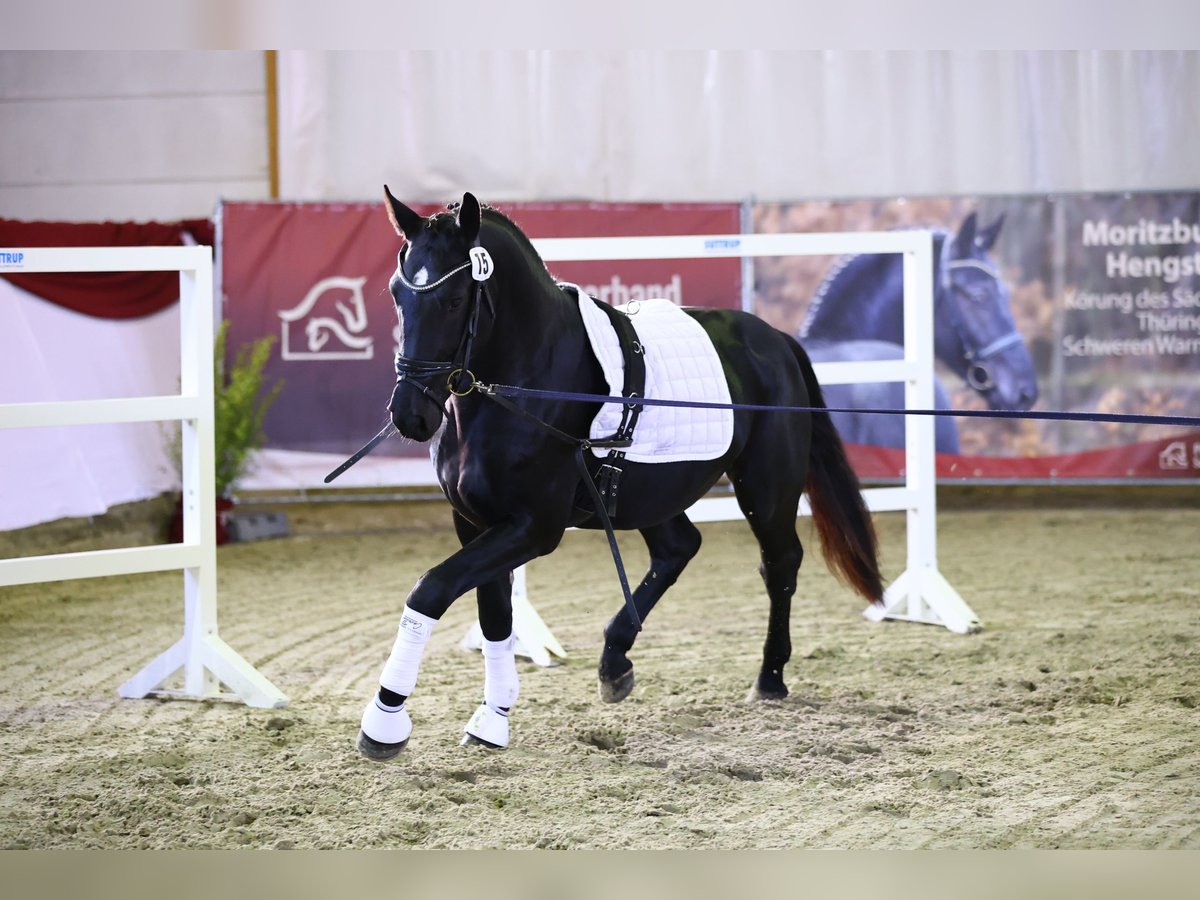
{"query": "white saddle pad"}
(681, 364)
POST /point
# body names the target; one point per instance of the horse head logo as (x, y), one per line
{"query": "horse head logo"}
(328, 336)
(974, 331)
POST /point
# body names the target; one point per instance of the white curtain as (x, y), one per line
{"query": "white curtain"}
(51, 353)
(703, 125)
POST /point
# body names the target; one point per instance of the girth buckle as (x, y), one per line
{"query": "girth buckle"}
(608, 480)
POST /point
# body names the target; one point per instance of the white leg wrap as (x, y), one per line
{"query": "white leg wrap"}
(400, 670)
(384, 725)
(500, 683)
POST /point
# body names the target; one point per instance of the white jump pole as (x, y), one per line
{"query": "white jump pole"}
(205, 660)
(920, 593)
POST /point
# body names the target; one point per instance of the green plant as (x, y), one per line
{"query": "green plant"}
(241, 403)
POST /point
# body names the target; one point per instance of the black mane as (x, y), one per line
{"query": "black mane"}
(494, 217)
(448, 218)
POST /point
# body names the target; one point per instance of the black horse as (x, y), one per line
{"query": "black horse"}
(858, 315)
(515, 484)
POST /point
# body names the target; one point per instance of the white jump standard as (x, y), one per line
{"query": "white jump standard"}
(207, 661)
(920, 593)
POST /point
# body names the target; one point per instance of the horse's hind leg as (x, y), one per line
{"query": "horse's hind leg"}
(781, 556)
(672, 545)
(769, 503)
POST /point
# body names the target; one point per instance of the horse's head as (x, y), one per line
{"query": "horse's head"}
(975, 333)
(437, 288)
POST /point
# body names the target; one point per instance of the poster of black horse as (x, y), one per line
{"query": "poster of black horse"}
(858, 315)
(1072, 302)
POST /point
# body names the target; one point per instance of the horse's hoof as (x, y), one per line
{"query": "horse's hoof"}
(377, 750)
(617, 689)
(470, 740)
(758, 693)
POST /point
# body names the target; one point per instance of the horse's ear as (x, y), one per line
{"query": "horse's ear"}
(404, 220)
(986, 238)
(964, 241)
(469, 217)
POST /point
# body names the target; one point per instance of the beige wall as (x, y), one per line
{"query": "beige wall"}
(163, 135)
(695, 125)
(130, 135)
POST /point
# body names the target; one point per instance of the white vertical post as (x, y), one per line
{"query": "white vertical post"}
(199, 458)
(921, 594)
(919, 445)
(206, 660)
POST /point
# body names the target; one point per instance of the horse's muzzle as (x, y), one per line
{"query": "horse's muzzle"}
(1017, 395)
(416, 414)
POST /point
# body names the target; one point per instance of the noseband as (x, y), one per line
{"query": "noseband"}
(979, 373)
(459, 380)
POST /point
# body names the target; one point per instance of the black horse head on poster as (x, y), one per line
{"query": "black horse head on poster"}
(858, 314)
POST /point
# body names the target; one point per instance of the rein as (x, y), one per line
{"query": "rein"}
(461, 382)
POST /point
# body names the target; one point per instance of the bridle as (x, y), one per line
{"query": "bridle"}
(459, 380)
(979, 372)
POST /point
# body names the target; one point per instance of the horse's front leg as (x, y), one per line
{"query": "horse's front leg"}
(488, 726)
(496, 551)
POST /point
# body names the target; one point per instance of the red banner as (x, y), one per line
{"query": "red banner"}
(315, 275)
(1168, 458)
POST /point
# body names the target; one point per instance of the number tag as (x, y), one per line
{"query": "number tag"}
(481, 264)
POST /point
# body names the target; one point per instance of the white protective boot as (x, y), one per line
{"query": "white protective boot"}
(384, 732)
(385, 729)
(489, 724)
(488, 727)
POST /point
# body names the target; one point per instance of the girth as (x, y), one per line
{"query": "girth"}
(633, 356)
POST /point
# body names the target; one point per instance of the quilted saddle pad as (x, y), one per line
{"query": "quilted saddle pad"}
(681, 364)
